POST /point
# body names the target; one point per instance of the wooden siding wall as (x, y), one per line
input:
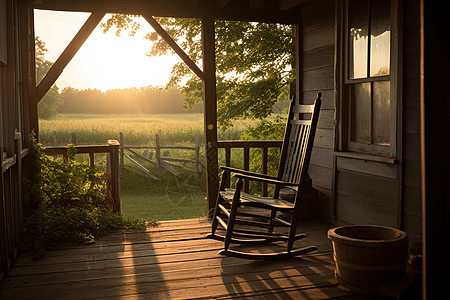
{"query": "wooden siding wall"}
(364, 191)
(318, 27)
(412, 202)
(14, 82)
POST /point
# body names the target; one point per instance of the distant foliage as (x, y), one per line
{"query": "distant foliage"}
(47, 105)
(145, 100)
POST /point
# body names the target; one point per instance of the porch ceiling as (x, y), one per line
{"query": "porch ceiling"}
(278, 11)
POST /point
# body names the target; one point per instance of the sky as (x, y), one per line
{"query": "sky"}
(104, 61)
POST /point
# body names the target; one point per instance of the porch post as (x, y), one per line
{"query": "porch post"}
(210, 109)
(435, 142)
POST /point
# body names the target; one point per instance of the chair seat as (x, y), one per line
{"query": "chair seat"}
(266, 202)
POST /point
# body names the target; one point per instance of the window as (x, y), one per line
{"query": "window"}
(369, 77)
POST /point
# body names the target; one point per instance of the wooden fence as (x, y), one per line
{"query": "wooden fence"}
(162, 159)
(157, 156)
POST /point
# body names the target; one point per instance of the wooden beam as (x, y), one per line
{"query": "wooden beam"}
(30, 120)
(233, 10)
(288, 4)
(210, 109)
(174, 45)
(224, 2)
(67, 55)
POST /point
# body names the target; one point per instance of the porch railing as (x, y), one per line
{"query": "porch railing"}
(112, 165)
(246, 146)
(113, 169)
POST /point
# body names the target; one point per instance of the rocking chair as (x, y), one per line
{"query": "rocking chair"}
(232, 204)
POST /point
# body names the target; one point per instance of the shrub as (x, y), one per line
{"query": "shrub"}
(71, 202)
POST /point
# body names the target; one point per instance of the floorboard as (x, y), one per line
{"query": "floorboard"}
(173, 260)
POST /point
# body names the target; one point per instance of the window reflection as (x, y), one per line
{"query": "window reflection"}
(369, 19)
(381, 109)
(361, 113)
(380, 37)
(358, 42)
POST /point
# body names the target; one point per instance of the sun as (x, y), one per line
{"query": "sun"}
(105, 61)
(121, 62)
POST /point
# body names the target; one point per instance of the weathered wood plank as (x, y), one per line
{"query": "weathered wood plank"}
(353, 210)
(185, 267)
(320, 176)
(412, 38)
(319, 38)
(318, 58)
(412, 200)
(367, 167)
(324, 138)
(411, 119)
(197, 264)
(187, 285)
(411, 65)
(411, 91)
(326, 119)
(411, 12)
(411, 147)
(327, 98)
(319, 79)
(322, 157)
(120, 252)
(372, 189)
(318, 15)
(235, 10)
(412, 169)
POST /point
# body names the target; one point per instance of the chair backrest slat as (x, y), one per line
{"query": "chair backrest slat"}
(298, 140)
(301, 122)
(303, 109)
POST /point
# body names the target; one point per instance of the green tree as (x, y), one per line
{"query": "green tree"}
(48, 104)
(254, 63)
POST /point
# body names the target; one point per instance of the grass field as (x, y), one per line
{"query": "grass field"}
(138, 129)
(168, 199)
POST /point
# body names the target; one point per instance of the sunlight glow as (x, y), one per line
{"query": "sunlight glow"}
(104, 61)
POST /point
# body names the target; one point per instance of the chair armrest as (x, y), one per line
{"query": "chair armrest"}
(248, 173)
(267, 180)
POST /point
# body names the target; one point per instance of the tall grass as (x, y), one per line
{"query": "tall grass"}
(138, 130)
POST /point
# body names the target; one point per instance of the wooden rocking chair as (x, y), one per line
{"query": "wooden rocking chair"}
(292, 173)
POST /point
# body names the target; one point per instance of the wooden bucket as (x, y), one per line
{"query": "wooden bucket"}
(369, 257)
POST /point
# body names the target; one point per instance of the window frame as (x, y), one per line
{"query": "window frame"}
(345, 126)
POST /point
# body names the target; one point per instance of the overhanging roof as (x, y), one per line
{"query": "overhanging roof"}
(270, 11)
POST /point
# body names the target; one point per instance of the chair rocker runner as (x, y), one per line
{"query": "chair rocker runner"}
(243, 227)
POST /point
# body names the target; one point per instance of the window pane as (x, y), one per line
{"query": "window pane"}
(381, 111)
(361, 113)
(358, 41)
(380, 34)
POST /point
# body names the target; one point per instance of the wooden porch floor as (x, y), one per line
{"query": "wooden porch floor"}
(174, 261)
